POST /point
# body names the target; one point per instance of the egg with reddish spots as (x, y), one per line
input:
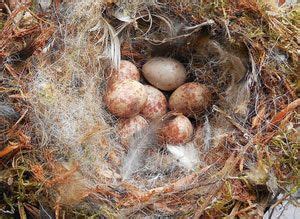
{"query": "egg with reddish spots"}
(190, 99)
(126, 128)
(164, 73)
(156, 104)
(126, 71)
(126, 98)
(176, 130)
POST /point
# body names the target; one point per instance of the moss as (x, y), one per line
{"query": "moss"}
(285, 149)
(22, 188)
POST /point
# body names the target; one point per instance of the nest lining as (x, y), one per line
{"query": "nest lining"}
(71, 118)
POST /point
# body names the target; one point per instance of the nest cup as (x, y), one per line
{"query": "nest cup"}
(76, 122)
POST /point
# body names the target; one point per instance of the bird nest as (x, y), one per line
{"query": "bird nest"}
(244, 149)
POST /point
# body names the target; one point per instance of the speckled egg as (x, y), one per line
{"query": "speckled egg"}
(126, 128)
(156, 104)
(176, 130)
(190, 99)
(126, 98)
(127, 71)
(164, 73)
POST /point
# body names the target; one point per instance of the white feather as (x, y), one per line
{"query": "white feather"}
(207, 134)
(140, 142)
(187, 155)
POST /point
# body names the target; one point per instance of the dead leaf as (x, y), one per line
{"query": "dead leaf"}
(257, 120)
(280, 116)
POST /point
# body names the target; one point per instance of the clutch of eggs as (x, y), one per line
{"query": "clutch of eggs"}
(137, 104)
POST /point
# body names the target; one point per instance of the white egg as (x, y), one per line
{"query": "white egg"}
(126, 128)
(164, 73)
(156, 104)
(126, 98)
(190, 99)
(176, 130)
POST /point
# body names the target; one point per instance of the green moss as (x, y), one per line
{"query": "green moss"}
(19, 186)
(285, 150)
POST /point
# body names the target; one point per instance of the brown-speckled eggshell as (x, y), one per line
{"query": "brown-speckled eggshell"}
(190, 99)
(164, 73)
(126, 128)
(127, 71)
(156, 104)
(126, 98)
(177, 130)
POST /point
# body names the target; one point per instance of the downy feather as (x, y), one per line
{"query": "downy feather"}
(187, 155)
